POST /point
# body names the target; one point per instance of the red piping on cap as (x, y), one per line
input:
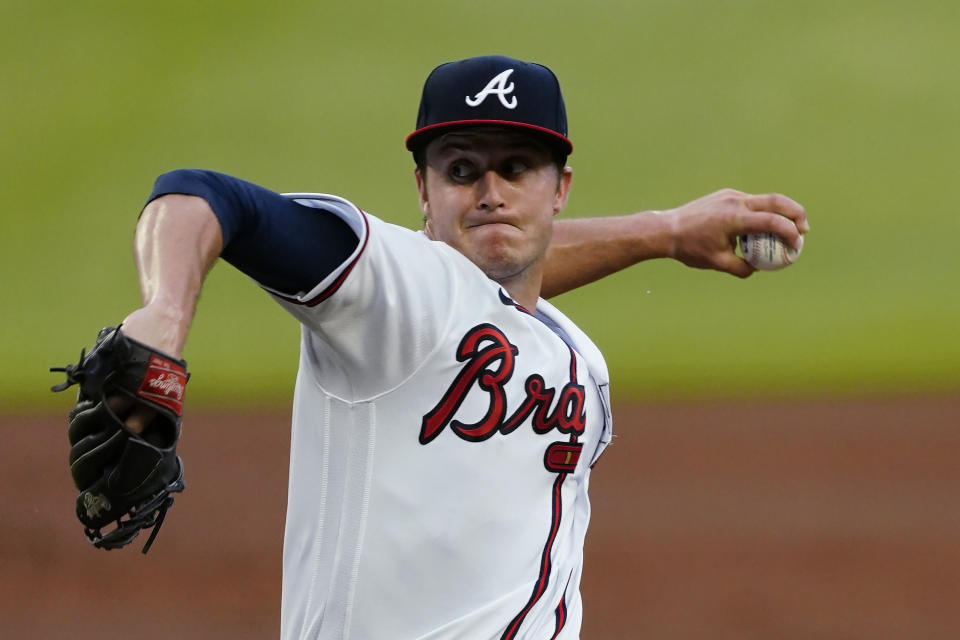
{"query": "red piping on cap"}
(509, 123)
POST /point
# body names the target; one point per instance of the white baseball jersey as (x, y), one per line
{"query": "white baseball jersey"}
(441, 450)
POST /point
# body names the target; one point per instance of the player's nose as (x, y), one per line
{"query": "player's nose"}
(490, 191)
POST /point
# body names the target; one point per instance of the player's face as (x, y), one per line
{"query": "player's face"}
(492, 194)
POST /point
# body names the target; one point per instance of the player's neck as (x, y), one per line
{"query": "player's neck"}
(523, 289)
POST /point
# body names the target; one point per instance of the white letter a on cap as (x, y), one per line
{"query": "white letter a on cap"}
(497, 86)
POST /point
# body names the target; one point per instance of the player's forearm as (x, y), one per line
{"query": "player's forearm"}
(177, 241)
(701, 234)
(587, 249)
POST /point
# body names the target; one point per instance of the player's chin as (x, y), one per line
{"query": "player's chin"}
(501, 264)
(499, 250)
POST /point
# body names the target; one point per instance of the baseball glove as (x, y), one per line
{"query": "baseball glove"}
(124, 477)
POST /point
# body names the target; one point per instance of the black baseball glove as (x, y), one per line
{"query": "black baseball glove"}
(124, 477)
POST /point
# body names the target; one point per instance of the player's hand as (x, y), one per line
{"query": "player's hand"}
(150, 326)
(705, 231)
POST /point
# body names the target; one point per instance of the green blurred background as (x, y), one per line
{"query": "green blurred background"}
(849, 107)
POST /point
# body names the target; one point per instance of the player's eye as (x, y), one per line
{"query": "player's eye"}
(460, 170)
(514, 167)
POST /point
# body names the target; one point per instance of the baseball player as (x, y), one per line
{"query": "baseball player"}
(446, 417)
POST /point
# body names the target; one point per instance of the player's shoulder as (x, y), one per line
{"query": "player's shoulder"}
(380, 237)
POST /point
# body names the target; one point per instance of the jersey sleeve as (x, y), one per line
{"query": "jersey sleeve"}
(281, 244)
(376, 319)
(373, 298)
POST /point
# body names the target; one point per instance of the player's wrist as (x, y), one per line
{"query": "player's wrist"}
(656, 233)
(159, 325)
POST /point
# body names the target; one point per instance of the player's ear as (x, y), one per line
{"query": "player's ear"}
(422, 191)
(424, 203)
(563, 190)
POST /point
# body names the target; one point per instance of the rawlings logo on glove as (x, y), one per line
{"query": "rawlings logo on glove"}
(164, 383)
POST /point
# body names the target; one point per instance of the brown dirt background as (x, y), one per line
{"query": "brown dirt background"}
(803, 519)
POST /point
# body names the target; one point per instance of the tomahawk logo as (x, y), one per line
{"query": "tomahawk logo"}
(497, 85)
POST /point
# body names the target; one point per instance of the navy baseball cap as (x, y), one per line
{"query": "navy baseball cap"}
(492, 90)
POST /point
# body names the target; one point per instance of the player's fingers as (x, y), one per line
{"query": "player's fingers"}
(770, 222)
(134, 417)
(120, 405)
(733, 264)
(739, 267)
(139, 418)
(781, 204)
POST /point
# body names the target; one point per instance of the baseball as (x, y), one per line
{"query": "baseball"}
(767, 252)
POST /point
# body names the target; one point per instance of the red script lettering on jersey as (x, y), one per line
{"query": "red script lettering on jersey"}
(489, 364)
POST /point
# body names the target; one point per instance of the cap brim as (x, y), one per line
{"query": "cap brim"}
(419, 138)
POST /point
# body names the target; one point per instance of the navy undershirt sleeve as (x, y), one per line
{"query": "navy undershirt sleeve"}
(279, 243)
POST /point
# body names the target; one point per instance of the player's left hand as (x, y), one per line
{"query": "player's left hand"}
(125, 476)
(705, 231)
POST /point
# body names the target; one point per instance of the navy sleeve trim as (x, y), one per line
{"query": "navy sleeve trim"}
(283, 245)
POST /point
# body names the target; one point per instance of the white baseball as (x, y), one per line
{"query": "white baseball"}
(767, 252)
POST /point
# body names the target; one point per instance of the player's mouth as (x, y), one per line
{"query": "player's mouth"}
(491, 223)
